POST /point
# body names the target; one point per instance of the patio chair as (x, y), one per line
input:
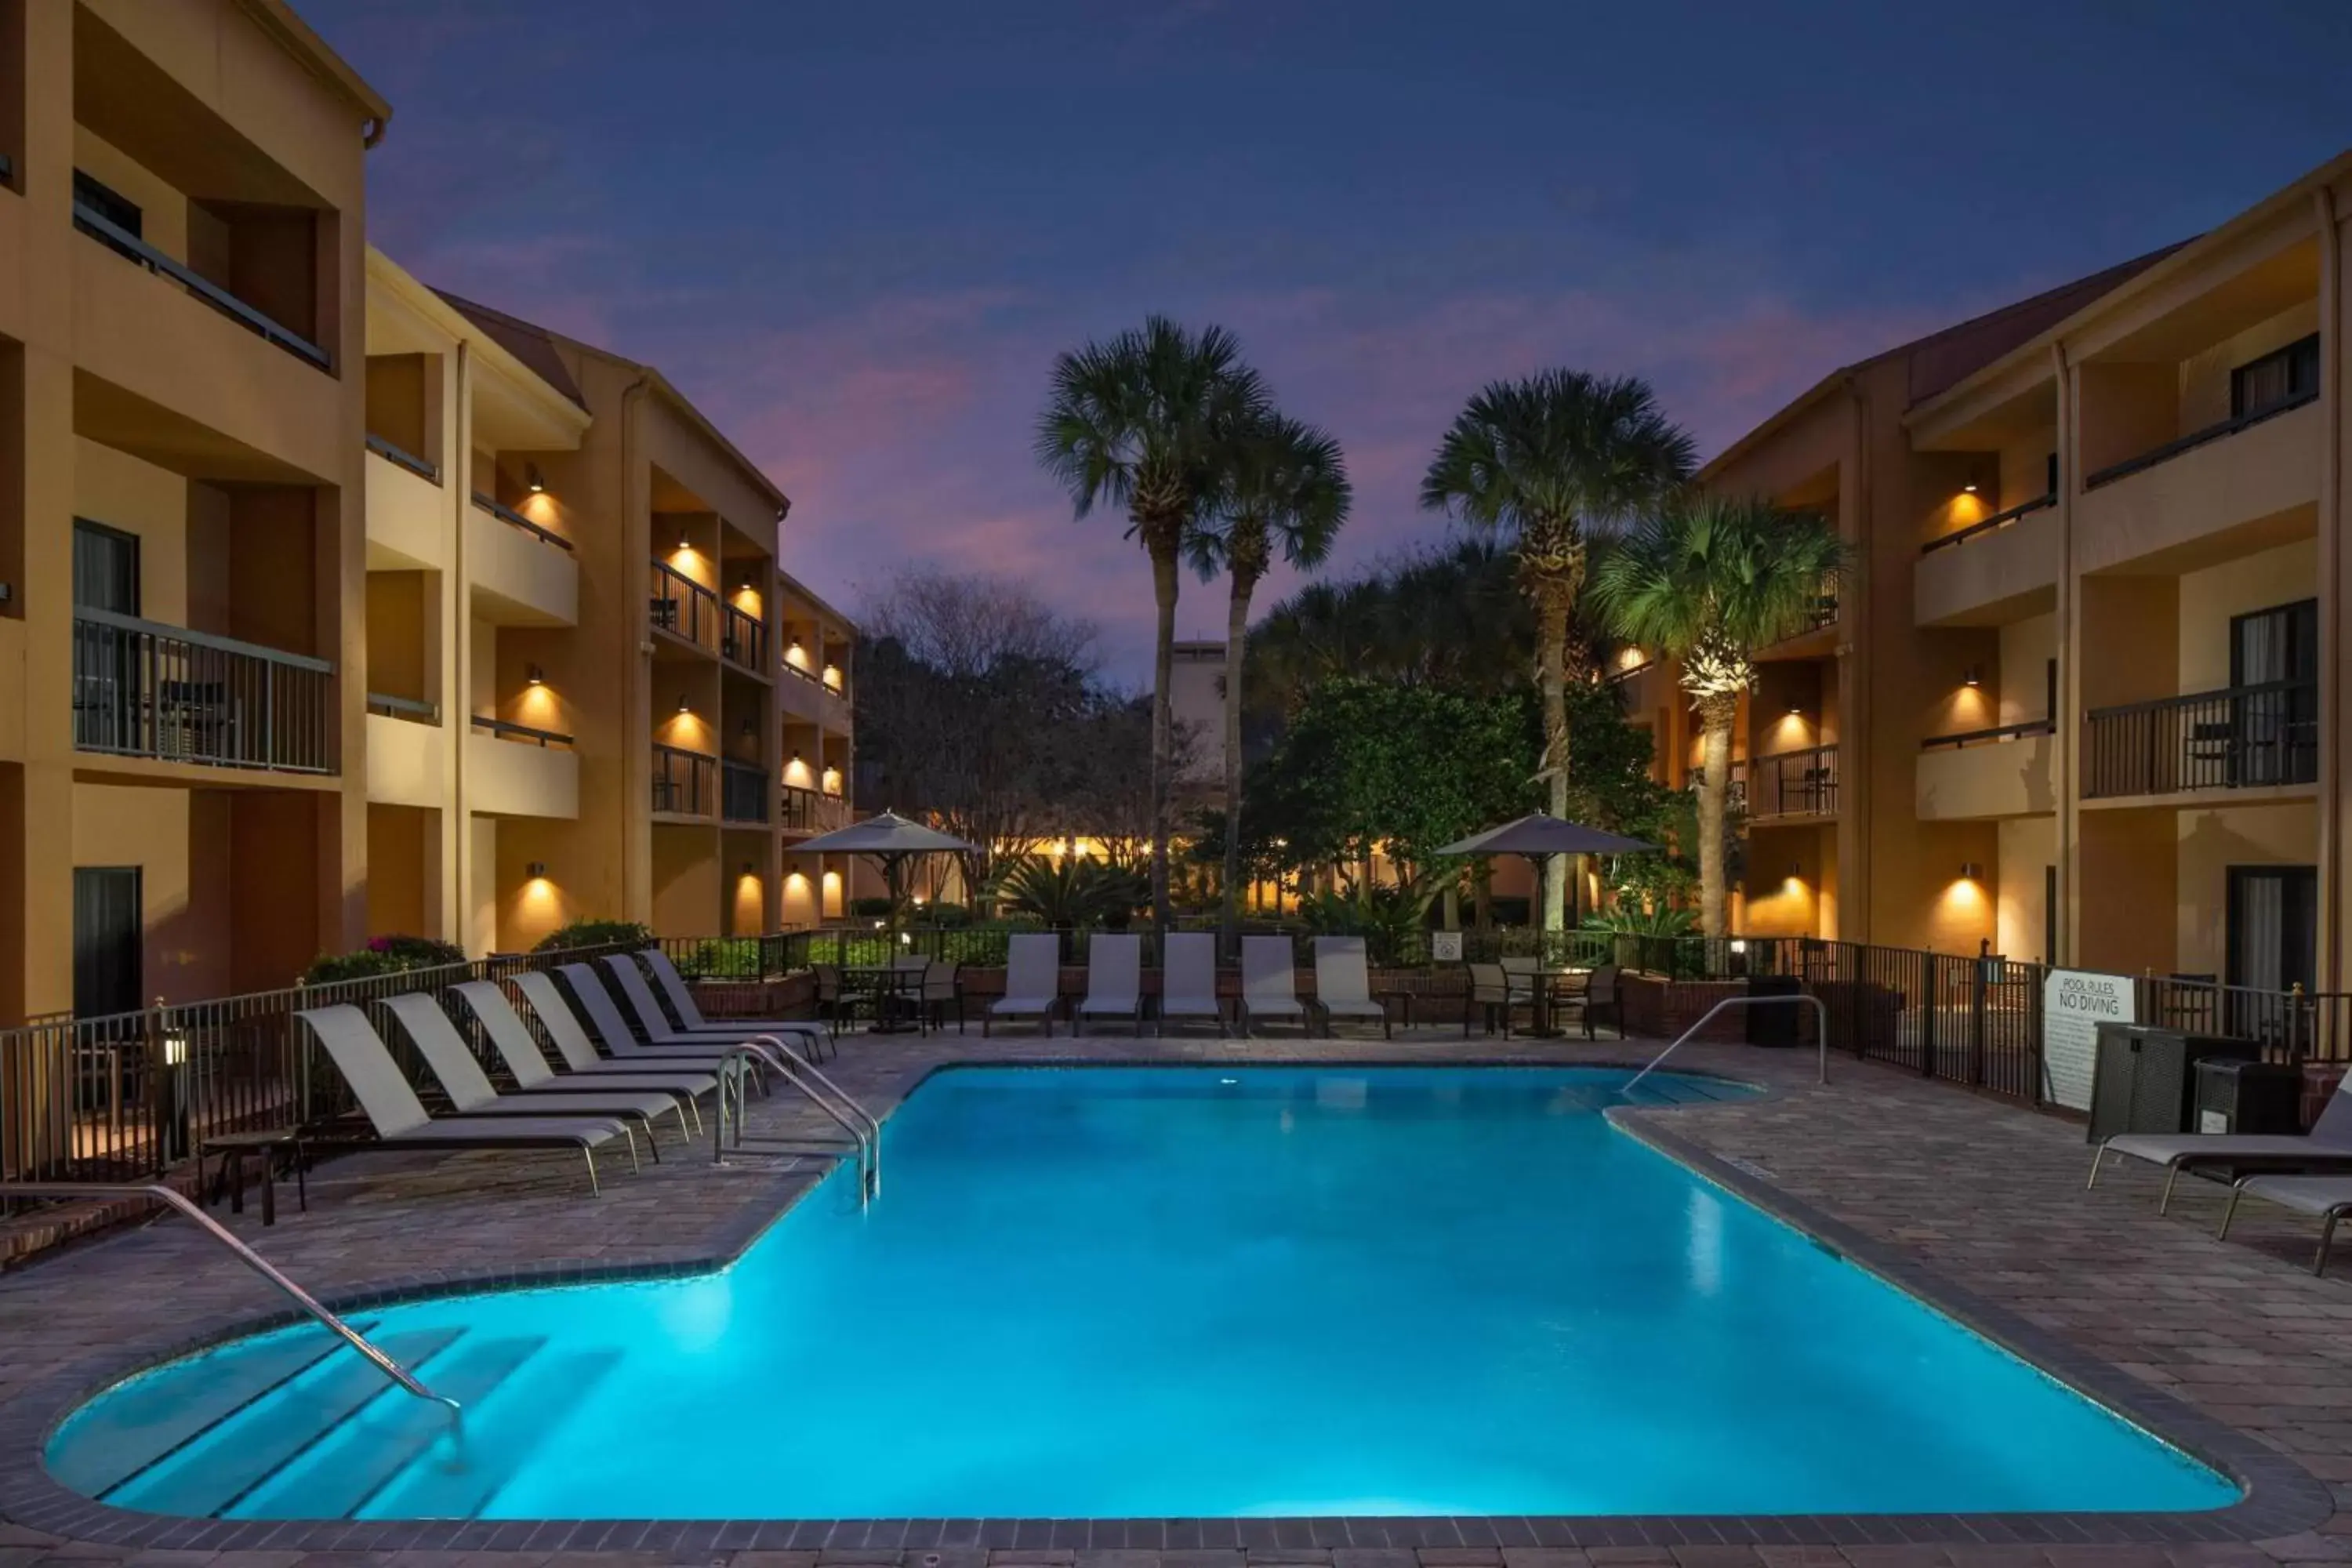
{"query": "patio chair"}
(942, 987)
(1343, 984)
(579, 1052)
(672, 987)
(834, 1002)
(2327, 1148)
(1114, 980)
(605, 1016)
(2327, 1197)
(451, 1064)
(510, 1038)
(1033, 980)
(1270, 983)
(1493, 990)
(1188, 979)
(1605, 993)
(657, 1030)
(399, 1116)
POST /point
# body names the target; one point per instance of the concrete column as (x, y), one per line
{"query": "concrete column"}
(2335, 935)
(2066, 729)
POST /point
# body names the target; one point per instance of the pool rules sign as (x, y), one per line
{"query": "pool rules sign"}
(2074, 1003)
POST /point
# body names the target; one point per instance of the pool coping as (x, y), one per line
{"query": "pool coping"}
(2278, 1497)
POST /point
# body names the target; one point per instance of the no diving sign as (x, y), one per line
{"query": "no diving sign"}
(2074, 1003)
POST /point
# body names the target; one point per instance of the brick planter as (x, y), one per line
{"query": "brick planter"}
(1662, 1008)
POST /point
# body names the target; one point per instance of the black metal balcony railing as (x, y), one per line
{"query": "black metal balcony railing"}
(143, 690)
(685, 783)
(1992, 524)
(811, 811)
(1794, 783)
(2240, 737)
(2195, 439)
(124, 243)
(408, 708)
(401, 456)
(514, 519)
(742, 791)
(1735, 793)
(505, 730)
(1985, 737)
(744, 641)
(684, 608)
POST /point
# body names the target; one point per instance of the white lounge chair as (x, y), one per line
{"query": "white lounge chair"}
(579, 1052)
(1114, 980)
(1343, 982)
(1270, 983)
(400, 1120)
(1033, 980)
(510, 1038)
(674, 990)
(470, 1089)
(605, 1018)
(2328, 1197)
(1188, 979)
(2327, 1149)
(654, 1028)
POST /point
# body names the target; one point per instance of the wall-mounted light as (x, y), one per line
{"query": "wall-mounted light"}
(747, 868)
(535, 870)
(1795, 709)
(796, 758)
(533, 676)
(684, 545)
(533, 480)
(1796, 871)
(750, 727)
(683, 705)
(1973, 676)
(1968, 489)
(1971, 872)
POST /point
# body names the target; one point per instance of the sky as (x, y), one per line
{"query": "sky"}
(856, 236)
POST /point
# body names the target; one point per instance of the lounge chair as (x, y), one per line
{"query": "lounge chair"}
(470, 1089)
(1033, 980)
(2329, 1198)
(1270, 983)
(605, 1018)
(657, 1030)
(510, 1038)
(673, 988)
(2327, 1148)
(1188, 979)
(1343, 982)
(1114, 980)
(399, 1116)
(579, 1052)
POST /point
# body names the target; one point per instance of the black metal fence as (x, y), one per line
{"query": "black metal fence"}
(1793, 784)
(742, 791)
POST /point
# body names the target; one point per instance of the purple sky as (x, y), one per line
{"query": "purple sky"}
(857, 234)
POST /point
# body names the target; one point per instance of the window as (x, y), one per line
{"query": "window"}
(2050, 484)
(92, 196)
(105, 568)
(2272, 927)
(2278, 379)
(2273, 725)
(109, 948)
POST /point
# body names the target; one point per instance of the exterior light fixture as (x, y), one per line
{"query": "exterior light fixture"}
(1970, 871)
(796, 757)
(1738, 946)
(1968, 489)
(1795, 871)
(1974, 677)
(533, 676)
(533, 480)
(175, 1047)
(1795, 709)
(535, 870)
(684, 545)
(747, 868)
(750, 727)
(683, 705)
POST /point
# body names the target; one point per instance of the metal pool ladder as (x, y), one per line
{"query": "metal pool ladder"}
(1822, 1035)
(171, 1198)
(811, 1082)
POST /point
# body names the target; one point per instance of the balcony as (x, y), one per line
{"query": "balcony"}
(683, 609)
(686, 784)
(816, 695)
(1793, 784)
(405, 509)
(1734, 795)
(1986, 773)
(743, 641)
(2190, 491)
(2003, 569)
(2244, 737)
(514, 770)
(131, 247)
(742, 791)
(143, 690)
(525, 575)
(811, 811)
(404, 751)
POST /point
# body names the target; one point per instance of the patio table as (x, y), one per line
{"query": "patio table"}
(886, 983)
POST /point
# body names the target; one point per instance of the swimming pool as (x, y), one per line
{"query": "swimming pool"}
(1115, 1292)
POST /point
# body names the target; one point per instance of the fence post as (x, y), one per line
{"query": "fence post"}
(1977, 1012)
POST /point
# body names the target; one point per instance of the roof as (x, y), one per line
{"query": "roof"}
(802, 591)
(535, 346)
(293, 35)
(562, 402)
(1950, 355)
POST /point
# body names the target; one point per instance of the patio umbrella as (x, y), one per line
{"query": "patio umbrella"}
(1538, 835)
(891, 840)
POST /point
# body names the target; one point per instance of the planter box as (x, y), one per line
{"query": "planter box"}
(1661, 1009)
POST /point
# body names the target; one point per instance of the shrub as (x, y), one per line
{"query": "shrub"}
(595, 933)
(948, 916)
(385, 955)
(872, 908)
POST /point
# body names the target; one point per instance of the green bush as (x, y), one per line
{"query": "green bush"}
(872, 908)
(385, 955)
(946, 916)
(595, 933)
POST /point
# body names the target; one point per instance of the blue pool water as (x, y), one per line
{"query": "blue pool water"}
(1141, 1292)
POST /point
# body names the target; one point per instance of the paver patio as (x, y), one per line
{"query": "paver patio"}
(1920, 1179)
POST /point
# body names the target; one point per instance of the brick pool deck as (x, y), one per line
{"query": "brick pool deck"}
(2231, 1348)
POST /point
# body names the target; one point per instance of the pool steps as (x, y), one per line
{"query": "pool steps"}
(299, 1425)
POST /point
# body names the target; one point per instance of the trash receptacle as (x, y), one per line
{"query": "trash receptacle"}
(1777, 1024)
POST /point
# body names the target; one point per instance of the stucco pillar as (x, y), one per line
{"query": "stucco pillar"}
(2335, 940)
(2066, 728)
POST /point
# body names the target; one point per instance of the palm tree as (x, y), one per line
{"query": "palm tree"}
(1548, 460)
(1706, 581)
(1148, 421)
(1288, 488)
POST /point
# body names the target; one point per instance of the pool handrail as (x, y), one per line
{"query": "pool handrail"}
(868, 1145)
(873, 1134)
(1822, 1035)
(171, 1198)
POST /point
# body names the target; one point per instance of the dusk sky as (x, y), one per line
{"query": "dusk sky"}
(857, 234)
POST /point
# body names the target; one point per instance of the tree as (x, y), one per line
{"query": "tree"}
(1548, 460)
(1286, 489)
(1148, 421)
(1706, 581)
